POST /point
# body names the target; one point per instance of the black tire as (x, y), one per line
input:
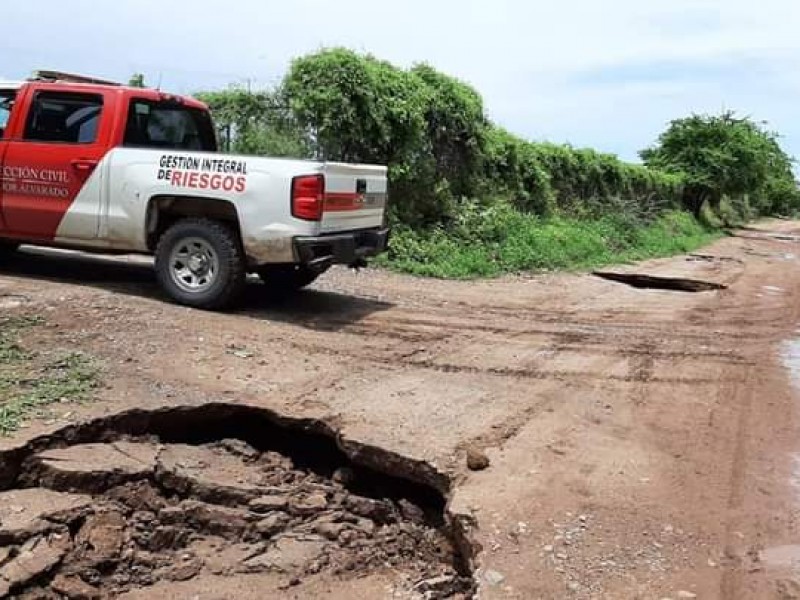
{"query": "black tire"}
(288, 278)
(7, 248)
(213, 242)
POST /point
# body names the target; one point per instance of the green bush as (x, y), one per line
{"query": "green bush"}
(488, 241)
(432, 132)
(428, 127)
(725, 156)
(256, 123)
(546, 179)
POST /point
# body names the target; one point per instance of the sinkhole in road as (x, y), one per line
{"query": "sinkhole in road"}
(117, 504)
(657, 282)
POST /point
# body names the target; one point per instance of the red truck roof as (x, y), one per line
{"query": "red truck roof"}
(67, 81)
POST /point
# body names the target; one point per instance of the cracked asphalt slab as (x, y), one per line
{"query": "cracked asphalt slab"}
(641, 441)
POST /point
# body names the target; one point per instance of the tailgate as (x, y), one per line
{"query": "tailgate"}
(355, 197)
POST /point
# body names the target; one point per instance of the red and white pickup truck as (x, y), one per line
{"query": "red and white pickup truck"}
(91, 165)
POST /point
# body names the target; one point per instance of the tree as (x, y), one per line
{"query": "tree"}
(137, 80)
(356, 107)
(257, 123)
(721, 156)
(456, 128)
(428, 127)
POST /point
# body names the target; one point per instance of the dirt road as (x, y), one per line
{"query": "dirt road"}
(643, 443)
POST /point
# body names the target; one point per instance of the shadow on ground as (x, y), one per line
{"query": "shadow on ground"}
(134, 276)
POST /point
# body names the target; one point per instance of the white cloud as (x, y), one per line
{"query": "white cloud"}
(532, 61)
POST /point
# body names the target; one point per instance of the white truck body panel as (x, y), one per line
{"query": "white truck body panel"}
(111, 210)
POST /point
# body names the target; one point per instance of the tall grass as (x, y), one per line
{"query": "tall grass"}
(489, 241)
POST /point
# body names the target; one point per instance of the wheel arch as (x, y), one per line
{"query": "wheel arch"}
(165, 210)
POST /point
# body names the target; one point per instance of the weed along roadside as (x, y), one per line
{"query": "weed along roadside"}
(486, 242)
(33, 382)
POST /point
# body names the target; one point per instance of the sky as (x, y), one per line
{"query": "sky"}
(607, 74)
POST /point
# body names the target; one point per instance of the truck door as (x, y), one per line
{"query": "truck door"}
(51, 169)
(6, 102)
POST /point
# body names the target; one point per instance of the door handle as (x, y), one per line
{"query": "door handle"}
(87, 165)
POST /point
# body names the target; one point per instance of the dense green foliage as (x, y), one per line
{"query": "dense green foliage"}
(726, 156)
(426, 126)
(470, 198)
(137, 80)
(256, 123)
(488, 241)
(432, 131)
(547, 178)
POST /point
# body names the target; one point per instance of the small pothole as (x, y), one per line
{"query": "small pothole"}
(656, 282)
(118, 504)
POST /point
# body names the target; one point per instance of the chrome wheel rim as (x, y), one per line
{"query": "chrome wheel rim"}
(194, 265)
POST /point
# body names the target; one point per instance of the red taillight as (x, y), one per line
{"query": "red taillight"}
(308, 197)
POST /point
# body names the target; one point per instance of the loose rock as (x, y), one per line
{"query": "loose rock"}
(331, 531)
(185, 470)
(288, 555)
(273, 524)
(477, 459)
(36, 557)
(493, 578)
(266, 504)
(209, 518)
(101, 538)
(185, 570)
(74, 588)
(309, 505)
(377, 510)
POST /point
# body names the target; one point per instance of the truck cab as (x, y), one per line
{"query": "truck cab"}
(92, 165)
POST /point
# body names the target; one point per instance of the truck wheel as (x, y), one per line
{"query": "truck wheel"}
(7, 249)
(199, 262)
(288, 278)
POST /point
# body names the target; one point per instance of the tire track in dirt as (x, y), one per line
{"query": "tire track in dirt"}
(652, 397)
(736, 581)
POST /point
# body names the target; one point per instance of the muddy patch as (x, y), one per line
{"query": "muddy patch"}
(656, 282)
(117, 505)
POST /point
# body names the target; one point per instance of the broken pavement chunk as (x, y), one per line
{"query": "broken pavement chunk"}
(94, 468)
(287, 555)
(309, 505)
(209, 518)
(35, 558)
(267, 504)
(101, 538)
(74, 588)
(379, 511)
(185, 469)
(35, 511)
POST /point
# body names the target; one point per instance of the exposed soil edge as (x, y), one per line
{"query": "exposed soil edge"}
(141, 422)
(678, 284)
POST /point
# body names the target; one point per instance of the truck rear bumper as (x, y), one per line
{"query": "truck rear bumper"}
(341, 248)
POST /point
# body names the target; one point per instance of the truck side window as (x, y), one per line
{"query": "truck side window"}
(169, 126)
(6, 103)
(64, 117)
